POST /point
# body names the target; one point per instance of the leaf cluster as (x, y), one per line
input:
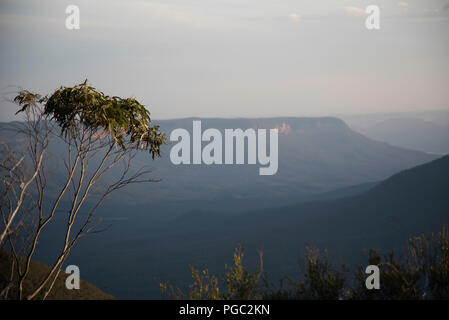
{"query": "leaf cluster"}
(82, 107)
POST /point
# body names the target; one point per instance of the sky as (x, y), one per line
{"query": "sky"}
(233, 58)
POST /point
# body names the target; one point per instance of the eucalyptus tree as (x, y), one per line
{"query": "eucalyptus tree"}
(98, 133)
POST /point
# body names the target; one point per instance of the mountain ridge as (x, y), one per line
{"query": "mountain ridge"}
(316, 155)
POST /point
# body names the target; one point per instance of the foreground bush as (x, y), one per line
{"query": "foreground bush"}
(423, 273)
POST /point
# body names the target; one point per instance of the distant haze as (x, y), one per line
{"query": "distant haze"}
(229, 58)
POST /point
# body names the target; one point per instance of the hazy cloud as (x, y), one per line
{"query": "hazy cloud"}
(233, 58)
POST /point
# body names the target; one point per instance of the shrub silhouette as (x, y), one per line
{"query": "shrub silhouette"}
(422, 274)
(240, 284)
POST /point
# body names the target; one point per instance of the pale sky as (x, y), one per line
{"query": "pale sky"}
(233, 58)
